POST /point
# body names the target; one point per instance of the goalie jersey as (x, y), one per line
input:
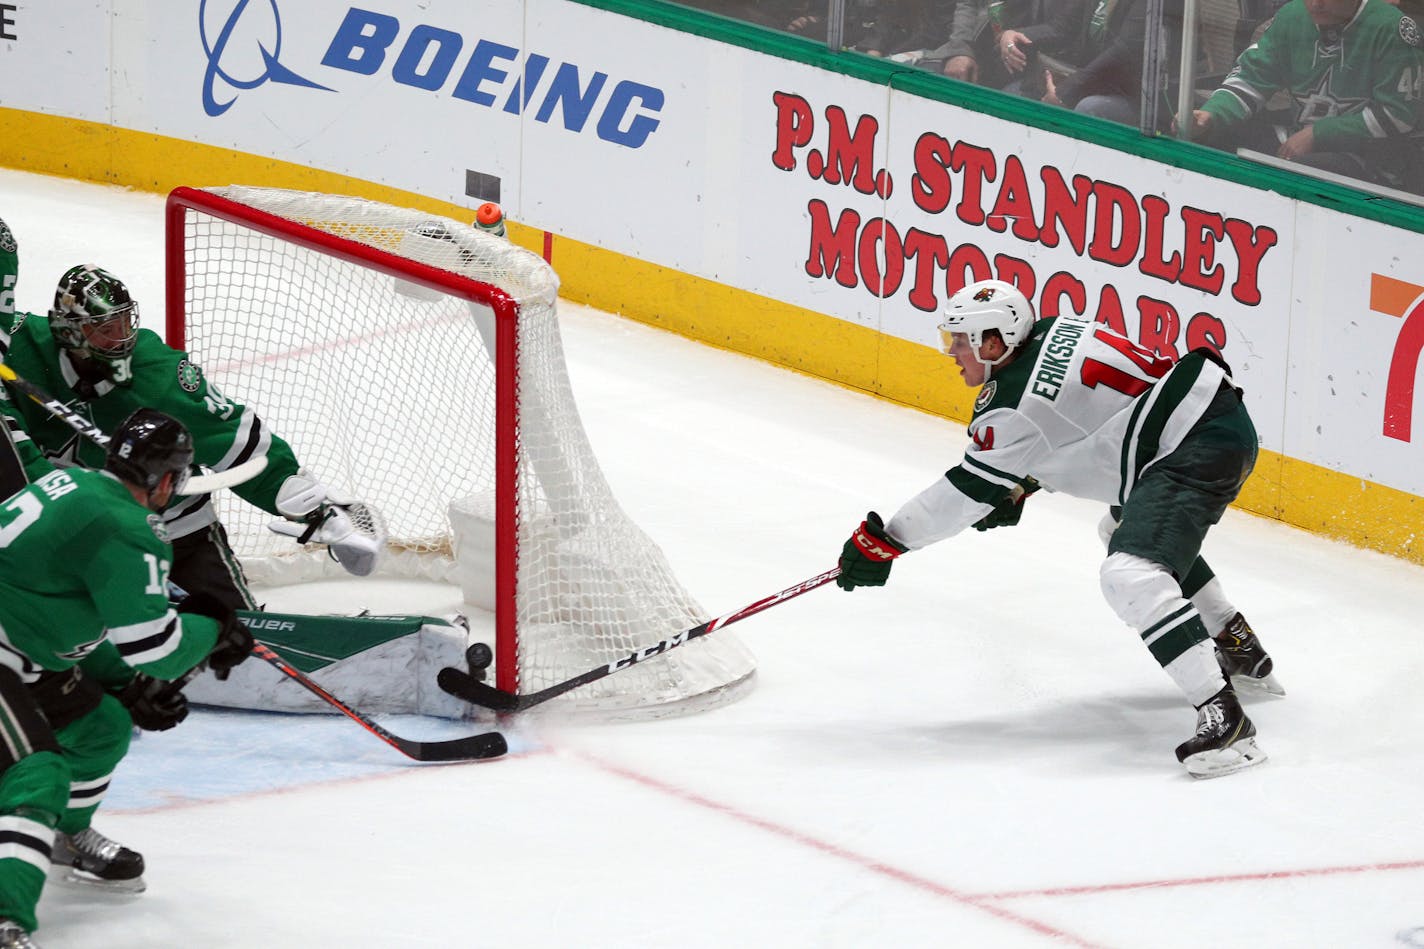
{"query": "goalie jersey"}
(1081, 409)
(225, 432)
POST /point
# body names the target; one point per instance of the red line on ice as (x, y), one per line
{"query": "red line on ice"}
(834, 850)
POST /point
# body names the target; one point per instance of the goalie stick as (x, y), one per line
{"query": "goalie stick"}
(197, 484)
(486, 745)
(463, 685)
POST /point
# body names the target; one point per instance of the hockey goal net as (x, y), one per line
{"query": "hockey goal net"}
(415, 362)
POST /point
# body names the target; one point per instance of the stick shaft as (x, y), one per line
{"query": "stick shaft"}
(465, 687)
(487, 745)
(55, 407)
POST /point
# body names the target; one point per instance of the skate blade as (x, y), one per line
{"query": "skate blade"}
(70, 876)
(1223, 761)
(1267, 684)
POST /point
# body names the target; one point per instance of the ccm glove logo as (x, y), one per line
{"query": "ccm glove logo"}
(873, 547)
(867, 556)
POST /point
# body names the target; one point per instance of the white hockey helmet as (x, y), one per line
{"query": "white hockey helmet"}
(988, 305)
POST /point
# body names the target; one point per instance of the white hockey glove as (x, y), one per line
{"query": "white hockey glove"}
(300, 495)
(353, 532)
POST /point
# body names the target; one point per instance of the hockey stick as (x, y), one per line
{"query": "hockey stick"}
(464, 686)
(487, 745)
(197, 484)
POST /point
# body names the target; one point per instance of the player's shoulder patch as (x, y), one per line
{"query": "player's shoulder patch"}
(190, 377)
(1409, 32)
(7, 240)
(160, 529)
(986, 394)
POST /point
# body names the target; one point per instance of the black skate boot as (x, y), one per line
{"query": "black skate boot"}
(90, 857)
(1243, 659)
(13, 936)
(1225, 740)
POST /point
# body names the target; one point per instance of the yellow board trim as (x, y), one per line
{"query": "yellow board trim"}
(1308, 496)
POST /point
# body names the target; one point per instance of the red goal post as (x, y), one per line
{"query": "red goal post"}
(414, 362)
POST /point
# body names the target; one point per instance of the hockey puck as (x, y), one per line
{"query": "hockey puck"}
(478, 657)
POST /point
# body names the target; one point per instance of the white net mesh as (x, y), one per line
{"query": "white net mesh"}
(385, 388)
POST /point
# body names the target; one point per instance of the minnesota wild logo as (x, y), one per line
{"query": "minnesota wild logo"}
(986, 395)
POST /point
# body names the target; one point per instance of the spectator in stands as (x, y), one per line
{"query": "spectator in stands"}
(1354, 74)
(909, 31)
(773, 13)
(1096, 47)
(971, 54)
(802, 17)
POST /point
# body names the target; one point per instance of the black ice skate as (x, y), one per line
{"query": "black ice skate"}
(13, 936)
(1225, 740)
(1243, 659)
(91, 858)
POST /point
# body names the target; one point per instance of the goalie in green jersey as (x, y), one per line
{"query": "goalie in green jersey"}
(88, 639)
(91, 354)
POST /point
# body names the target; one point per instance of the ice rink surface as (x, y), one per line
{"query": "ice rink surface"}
(978, 755)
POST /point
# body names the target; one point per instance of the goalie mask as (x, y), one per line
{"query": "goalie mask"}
(988, 305)
(95, 317)
(149, 445)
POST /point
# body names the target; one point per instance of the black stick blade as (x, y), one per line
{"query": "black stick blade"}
(462, 685)
(488, 745)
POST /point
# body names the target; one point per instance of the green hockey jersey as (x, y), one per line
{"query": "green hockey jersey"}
(225, 432)
(81, 564)
(1081, 409)
(1360, 82)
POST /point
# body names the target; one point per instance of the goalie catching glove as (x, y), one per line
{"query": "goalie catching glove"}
(353, 532)
(868, 555)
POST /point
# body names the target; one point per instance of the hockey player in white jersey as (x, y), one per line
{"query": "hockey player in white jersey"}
(1070, 405)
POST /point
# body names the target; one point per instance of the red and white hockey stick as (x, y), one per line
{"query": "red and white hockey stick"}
(486, 745)
(463, 685)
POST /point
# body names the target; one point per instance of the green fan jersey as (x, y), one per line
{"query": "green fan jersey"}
(225, 432)
(83, 564)
(1359, 82)
(1081, 409)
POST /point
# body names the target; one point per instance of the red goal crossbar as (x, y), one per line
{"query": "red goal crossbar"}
(183, 200)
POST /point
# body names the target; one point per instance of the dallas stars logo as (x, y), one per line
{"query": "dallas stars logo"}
(66, 455)
(1322, 102)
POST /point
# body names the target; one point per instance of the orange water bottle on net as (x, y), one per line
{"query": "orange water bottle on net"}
(490, 217)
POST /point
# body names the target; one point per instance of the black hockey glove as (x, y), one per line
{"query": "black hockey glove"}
(234, 642)
(867, 556)
(234, 645)
(1008, 511)
(153, 704)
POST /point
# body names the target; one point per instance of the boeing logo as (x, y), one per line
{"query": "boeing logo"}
(243, 49)
(252, 61)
